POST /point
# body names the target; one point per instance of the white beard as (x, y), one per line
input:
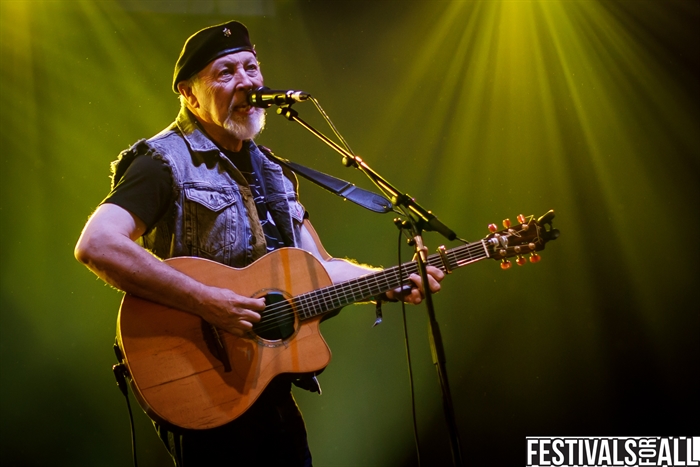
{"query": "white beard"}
(246, 126)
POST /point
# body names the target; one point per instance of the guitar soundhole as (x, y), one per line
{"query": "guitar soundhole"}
(277, 320)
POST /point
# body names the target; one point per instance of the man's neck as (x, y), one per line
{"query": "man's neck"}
(220, 136)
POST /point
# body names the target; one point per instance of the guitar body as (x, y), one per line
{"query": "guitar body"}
(185, 373)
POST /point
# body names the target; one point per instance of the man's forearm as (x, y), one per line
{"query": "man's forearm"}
(125, 265)
(107, 247)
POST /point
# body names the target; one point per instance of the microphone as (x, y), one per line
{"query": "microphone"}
(264, 97)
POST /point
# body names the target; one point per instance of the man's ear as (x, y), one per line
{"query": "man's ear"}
(186, 91)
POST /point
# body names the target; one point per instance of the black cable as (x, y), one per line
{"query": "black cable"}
(408, 358)
(120, 374)
(133, 433)
(330, 124)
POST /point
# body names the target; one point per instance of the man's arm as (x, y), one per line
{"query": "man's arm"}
(107, 247)
(341, 270)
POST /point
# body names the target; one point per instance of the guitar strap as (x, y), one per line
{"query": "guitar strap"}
(346, 190)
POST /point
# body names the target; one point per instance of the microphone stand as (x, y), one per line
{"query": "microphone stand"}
(419, 220)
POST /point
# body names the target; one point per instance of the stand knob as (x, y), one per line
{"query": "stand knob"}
(521, 219)
(535, 258)
(493, 228)
(506, 223)
(521, 261)
(505, 264)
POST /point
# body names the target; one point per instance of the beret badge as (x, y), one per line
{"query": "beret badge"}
(227, 32)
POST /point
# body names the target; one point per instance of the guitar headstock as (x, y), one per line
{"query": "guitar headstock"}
(527, 237)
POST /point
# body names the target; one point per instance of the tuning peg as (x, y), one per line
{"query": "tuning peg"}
(505, 264)
(493, 228)
(521, 261)
(535, 258)
(522, 219)
(506, 223)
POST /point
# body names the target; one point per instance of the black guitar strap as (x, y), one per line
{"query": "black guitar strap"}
(346, 190)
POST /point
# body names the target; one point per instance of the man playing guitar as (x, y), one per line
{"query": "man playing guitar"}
(203, 188)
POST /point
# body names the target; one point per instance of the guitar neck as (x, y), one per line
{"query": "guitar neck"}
(364, 288)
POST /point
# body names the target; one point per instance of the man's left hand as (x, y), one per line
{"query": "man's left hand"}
(416, 294)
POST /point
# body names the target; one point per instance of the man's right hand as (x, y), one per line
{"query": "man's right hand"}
(231, 312)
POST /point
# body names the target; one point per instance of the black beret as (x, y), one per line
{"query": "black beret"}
(207, 45)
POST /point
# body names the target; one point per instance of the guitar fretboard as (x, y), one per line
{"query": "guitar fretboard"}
(364, 288)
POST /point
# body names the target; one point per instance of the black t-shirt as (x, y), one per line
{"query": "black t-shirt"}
(146, 190)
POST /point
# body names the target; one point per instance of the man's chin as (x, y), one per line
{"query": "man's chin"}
(248, 127)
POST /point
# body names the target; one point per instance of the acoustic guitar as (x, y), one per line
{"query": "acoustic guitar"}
(187, 373)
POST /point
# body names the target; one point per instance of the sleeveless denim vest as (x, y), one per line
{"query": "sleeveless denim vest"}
(214, 215)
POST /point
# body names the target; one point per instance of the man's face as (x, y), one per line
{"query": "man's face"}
(221, 91)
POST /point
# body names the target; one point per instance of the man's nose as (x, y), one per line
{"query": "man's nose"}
(243, 80)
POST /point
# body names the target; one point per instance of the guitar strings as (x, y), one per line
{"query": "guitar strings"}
(336, 296)
(331, 297)
(322, 298)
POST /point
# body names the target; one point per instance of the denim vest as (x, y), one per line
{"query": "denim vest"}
(214, 215)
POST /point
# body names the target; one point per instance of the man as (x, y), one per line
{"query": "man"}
(202, 188)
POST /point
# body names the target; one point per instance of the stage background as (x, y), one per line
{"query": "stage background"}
(481, 111)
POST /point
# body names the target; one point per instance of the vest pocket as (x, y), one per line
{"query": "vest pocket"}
(210, 220)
